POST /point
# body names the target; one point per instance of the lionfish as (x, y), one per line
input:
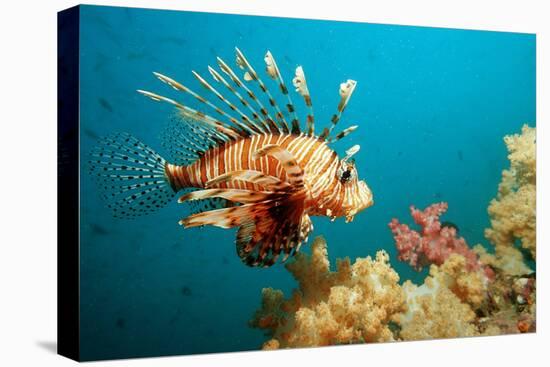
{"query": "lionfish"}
(266, 176)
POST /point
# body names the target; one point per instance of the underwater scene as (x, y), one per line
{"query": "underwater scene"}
(258, 183)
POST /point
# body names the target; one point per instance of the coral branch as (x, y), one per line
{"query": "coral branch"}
(513, 211)
(434, 244)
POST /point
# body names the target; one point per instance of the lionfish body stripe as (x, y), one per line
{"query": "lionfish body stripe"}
(257, 173)
(313, 155)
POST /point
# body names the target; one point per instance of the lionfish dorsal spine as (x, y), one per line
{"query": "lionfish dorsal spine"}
(246, 124)
(226, 69)
(220, 79)
(251, 74)
(273, 71)
(253, 122)
(346, 90)
(343, 133)
(300, 83)
(225, 131)
(180, 87)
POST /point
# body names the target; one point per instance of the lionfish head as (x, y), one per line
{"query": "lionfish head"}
(354, 195)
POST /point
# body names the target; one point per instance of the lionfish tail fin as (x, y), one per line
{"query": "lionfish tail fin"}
(130, 175)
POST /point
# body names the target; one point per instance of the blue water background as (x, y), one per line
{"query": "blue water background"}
(432, 107)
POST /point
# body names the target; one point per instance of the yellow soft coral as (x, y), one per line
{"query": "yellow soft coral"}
(506, 259)
(522, 154)
(353, 304)
(440, 308)
(363, 301)
(513, 211)
(469, 286)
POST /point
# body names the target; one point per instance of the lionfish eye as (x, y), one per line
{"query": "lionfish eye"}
(346, 176)
(346, 173)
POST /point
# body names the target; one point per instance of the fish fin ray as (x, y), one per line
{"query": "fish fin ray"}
(268, 120)
(186, 141)
(222, 129)
(346, 90)
(242, 129)
(264, 125)
(204, 205)
(223, 218)
(267, 228)
(275, 230)
(243, 122)
(250, 74)
(300, 83)
(343, 134)
(273, 71)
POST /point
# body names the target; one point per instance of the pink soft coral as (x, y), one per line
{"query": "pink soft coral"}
(434, 244)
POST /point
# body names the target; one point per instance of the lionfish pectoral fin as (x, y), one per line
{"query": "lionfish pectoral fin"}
(270, 223)
(223, 218)
(277, 228)
(204, 205)
(250, 202)
(305, 229)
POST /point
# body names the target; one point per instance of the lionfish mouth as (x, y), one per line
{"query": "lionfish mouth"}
(362, 201)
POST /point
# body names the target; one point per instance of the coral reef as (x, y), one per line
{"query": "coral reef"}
(468, 292)
(353, 304)
(431, 305)
(364, 303)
